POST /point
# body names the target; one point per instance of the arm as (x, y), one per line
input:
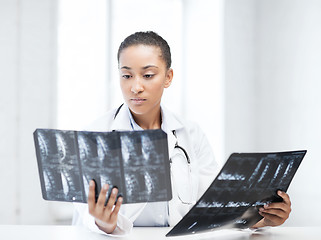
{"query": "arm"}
(275, 214)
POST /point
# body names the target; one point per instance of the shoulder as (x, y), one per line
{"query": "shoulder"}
(183, 126)
(103, 122)
(177, 122)
(192, 127)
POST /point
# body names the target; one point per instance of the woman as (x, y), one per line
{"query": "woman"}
(144, 62)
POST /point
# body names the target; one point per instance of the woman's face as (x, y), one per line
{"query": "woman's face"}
(143, 77)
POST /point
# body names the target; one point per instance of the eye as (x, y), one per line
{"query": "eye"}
(148, 75)
(126, 76)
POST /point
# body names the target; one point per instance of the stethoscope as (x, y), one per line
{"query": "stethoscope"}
(181, 149)
(179, 168)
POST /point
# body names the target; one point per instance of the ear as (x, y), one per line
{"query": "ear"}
(169, 77)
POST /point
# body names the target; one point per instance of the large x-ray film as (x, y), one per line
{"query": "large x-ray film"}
(136, 162)
(246, 182)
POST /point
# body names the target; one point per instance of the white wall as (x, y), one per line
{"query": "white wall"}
(273, 57)
(203, 78)
(83, 40)
(27, 101)
(289, 109)
(240, 86)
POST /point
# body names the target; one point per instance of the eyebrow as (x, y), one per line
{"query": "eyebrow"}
(125, 67)
(150, 66)
(145, 67)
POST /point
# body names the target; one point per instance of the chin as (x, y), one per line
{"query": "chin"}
(137, 109)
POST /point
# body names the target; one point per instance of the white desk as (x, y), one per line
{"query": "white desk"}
(23, 232)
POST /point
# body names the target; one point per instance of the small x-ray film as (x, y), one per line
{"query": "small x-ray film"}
(136, 162)
(247, 182)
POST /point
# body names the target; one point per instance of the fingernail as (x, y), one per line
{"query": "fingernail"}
(266, 206)
(261, 209)
(105, 186)
(91, 183)
(114, 190)
(120, 200)
(280, 192)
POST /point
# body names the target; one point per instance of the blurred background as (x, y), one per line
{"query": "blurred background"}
(248, 71)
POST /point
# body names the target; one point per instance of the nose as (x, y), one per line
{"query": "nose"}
(137, 86)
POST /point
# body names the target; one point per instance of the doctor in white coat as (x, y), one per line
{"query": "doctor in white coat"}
(145, 71)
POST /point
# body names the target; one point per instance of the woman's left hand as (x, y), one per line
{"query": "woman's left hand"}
(276, 213)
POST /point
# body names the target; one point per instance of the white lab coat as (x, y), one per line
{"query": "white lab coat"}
(203, 168)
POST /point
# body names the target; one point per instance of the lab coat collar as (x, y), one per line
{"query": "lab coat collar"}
(169, 121)
(122, 120)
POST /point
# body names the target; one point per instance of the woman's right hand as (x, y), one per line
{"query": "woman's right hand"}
(105, 216)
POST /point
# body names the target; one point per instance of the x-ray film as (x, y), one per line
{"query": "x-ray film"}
(136, 162)
(246, 182)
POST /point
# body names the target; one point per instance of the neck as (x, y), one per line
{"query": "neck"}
(150, 120)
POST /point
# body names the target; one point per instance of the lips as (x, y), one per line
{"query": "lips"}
(138, 100)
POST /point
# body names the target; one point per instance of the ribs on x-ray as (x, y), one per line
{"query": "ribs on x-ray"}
(136, 162)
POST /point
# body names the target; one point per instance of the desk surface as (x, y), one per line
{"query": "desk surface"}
(33, 232)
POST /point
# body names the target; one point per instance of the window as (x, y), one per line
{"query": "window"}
(90, 33)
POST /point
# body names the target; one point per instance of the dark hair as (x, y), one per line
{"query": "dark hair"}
(148, 38)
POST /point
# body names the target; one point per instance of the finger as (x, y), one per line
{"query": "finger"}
(114, 214)
(112, 199)
(91, 197)
(276, 212)
(102, 196)
(285, 196)
(279, 206)
(272, 220)
(276, 205)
